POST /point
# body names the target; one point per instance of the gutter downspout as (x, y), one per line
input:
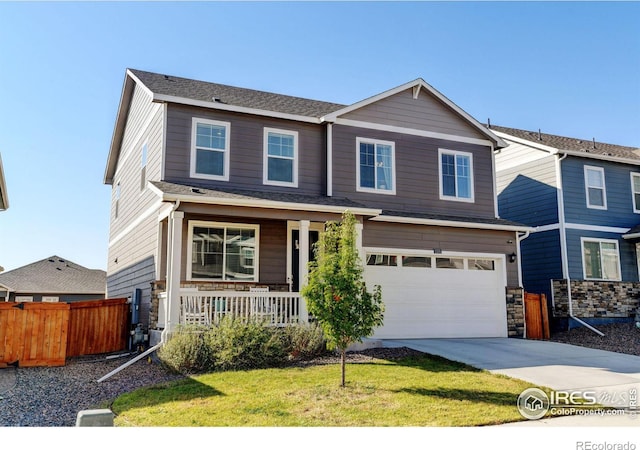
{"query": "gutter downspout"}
(519, 239)
(329, 159)
(163, 336)
(170, 260)
(563, 244)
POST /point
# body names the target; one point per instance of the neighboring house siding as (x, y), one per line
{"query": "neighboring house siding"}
(421, 237)
(424, 113)
(417, 174)
(541, 261)
(246, 150)
(619, 212)
(528, 193)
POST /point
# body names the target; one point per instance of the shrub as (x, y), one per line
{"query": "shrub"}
(305, 341)
(187, 351)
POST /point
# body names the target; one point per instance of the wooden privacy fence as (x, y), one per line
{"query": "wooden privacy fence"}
(45, 334)
(536, 316)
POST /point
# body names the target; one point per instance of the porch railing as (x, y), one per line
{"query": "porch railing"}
(208, 307)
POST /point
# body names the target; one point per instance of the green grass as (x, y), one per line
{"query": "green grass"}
(423, 391)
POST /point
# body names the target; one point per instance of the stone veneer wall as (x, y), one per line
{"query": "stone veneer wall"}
(596, 299)
(515, 311)
(158, 287)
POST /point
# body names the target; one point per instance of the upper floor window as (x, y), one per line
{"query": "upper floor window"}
(280, 157)
(456, 175)
(594, 187)
(376, 166)
(143, 168)
(210, 149)
(600, 259)
(635, 191)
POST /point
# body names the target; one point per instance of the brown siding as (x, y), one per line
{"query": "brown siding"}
(417, 176)
(423, 237)
(425, 113)
(246, 149)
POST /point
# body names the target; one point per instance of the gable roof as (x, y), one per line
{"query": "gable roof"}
(4, 199)
(573, 146)
(55, 275)
(172, 89)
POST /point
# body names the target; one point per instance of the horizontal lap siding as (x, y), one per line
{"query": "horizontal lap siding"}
(541, 261)
(246, 150)
(137, 275)
(421, 237)
(424, 113)
(417, 174)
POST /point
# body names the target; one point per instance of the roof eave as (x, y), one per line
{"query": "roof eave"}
(453, 223)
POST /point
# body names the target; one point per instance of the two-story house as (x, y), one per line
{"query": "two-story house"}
(220, 191)
(583, 198)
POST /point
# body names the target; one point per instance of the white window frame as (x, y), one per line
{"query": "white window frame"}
(225, 225)
(456, 198)
(116, 199)
(636, 207)
(374, 190)
(266, 156)
(586, 187)
(144, 157)
(600, 241)
(194, 127)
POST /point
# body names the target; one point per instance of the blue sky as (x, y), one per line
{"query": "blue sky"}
(568, 68)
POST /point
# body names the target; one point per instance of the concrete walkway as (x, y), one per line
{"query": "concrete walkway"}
(612, 376)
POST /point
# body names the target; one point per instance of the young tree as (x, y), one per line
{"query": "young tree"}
(336, 293)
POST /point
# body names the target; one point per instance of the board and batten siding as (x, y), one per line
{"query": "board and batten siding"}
(246, 151)
(426, 113)
(528, 193)
(447, 239)
(417, 174)
(617, 178)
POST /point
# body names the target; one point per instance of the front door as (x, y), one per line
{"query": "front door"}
(295, 255)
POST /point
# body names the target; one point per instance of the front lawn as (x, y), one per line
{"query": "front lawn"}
(414, 391)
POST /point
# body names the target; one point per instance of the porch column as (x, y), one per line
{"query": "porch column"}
(302, 268)
(360, 250)
(174, 265)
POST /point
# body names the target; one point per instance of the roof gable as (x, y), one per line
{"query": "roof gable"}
(55, 275)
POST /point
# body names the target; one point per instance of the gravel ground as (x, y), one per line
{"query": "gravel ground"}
(52, 396)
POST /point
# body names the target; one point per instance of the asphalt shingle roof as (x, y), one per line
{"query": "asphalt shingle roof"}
(247, 98)
(447, 218)
(586, 146)
(55, 275)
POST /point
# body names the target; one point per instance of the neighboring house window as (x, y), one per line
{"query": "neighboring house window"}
(635, 191)
(116, 196)
(601, 259)
(223, 251)
(376, 166)
(210, 149)
(456, 175)
(143, 168)
(594, 187)
(280, 157)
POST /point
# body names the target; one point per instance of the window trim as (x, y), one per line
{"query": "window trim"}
(456, 198)
(375, 190)
(117, 194)
(604, 187)
(600, 241)
(144, 159)
(204, 223)
(636, 208)
(266, 156)
(227, 154)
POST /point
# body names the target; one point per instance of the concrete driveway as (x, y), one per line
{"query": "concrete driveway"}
(612, 376)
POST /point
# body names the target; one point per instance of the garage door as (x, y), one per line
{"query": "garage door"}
(439, 296)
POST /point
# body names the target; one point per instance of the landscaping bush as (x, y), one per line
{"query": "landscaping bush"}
(187, 350)
(305, 341)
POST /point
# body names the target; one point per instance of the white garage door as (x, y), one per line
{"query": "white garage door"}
(439, 296)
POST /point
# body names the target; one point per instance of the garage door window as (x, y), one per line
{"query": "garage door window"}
(382, 260)
(481, 264)
(416, 261)
(449, 263)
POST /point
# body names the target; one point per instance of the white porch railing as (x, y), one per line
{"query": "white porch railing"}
(208, 307)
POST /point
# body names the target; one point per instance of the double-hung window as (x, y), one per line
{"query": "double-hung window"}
(594, 187)
(210, 149)
(456, 175)
(635, 191)
(280, 157)
(223, 251)
(601, 259)
(375, 166)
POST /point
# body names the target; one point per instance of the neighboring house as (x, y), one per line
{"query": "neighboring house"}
(53, 279)
(4, 198)
(225, 189)
(583, 197)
